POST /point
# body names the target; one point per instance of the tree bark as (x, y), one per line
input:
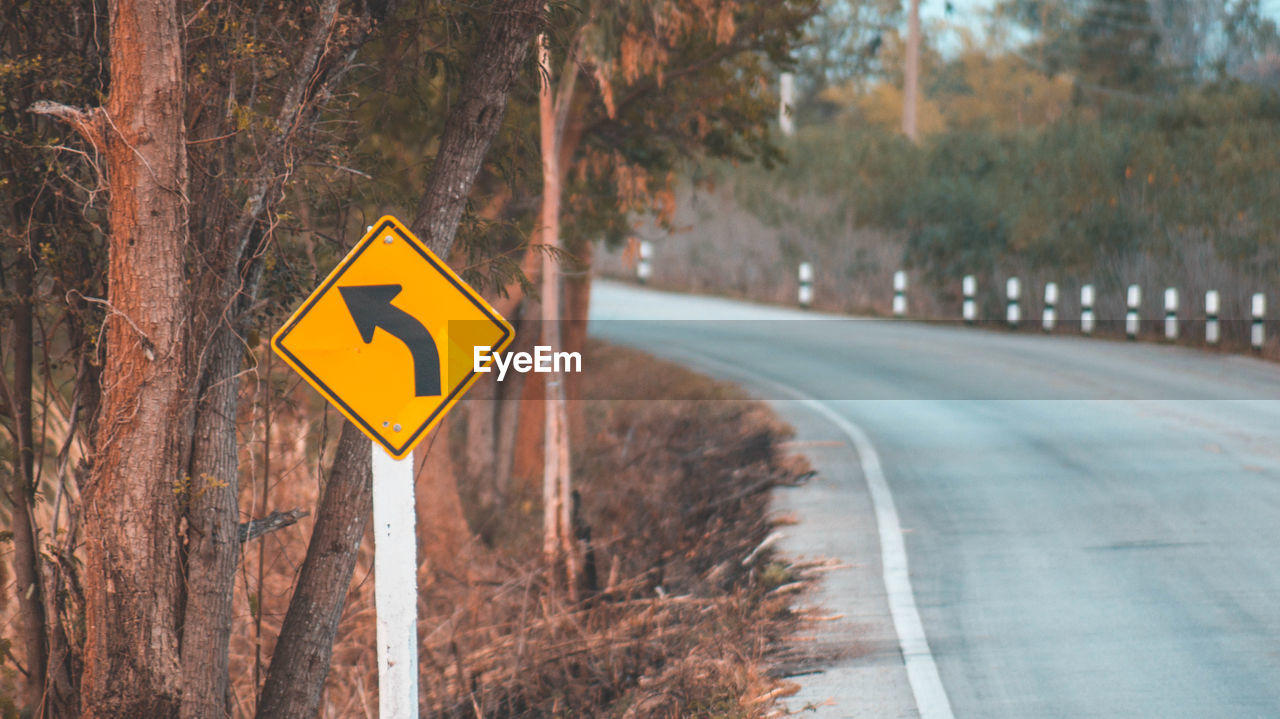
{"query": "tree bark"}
(301, 659)
(443, 534)
(474, 121)
(300, 662)
(481, 416)
(577, 306)
(131, 574)
(530, 433)
(509, 442)
(213, 542)
(21, 489)
(911, 74)
(557, 540)
(510, 413)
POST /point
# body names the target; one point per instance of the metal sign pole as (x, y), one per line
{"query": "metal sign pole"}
(395, 568)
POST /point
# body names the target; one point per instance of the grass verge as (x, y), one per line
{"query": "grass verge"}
(693, 607)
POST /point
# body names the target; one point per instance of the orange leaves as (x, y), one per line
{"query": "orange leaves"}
(725, 27)
(606, 91)
(646, 39)
(636, 188)
(638, 55)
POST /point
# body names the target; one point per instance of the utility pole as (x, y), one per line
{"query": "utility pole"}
(911, 79)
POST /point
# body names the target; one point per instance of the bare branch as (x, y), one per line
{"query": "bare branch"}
(90, 122)
(255, 528)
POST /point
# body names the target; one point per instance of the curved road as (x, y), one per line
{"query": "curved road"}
(1092, 527)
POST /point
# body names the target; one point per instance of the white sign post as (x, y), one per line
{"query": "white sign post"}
(374, 339)
(395, 592)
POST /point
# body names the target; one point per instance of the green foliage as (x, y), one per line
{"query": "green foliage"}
(1071, 194)
(47, 189)
(1143, 47)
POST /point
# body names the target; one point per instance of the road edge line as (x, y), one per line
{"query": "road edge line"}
(922, 670)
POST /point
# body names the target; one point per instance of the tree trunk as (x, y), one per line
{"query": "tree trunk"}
(213, 544)
(577, 306)
(511, 441)
(474, 121)
(531, 422)
(301, 659)
(557, 539)
(21, 490)
(510, 414)
(911, 74)
(481, 411)
(132, 587)
(300, 662)
(443, 534)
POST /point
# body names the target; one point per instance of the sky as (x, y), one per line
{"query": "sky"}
(974, 13)
(934, 8)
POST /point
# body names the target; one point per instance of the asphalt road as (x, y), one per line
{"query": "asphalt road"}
(1092, 527)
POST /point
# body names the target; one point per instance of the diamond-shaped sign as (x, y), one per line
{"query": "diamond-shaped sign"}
(389, 337)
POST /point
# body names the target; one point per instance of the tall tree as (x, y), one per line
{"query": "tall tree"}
(911, 74)
(1118, 47)
(553, 107)
(184, 278)
(132, 581)
(301, 657)
(618, 154)
(47, 249)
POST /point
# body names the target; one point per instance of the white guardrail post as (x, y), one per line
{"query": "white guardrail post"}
(970, 308)
(1050, 317)
(805, 292)
(899, 293)
(643, 269)
(786, 104)
(1257, 335)
(1012, 291)
(1171, 313)
(1131, 319)
(1086, 309)
(1212, 304)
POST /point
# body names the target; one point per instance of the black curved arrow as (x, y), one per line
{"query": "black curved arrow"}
(371, 308)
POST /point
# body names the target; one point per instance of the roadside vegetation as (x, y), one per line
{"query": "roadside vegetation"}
(680, 612)
(1066, 157)
(175, 176)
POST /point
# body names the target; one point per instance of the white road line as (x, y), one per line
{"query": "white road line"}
(922, 670)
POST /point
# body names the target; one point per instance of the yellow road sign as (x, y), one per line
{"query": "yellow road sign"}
(389, 337)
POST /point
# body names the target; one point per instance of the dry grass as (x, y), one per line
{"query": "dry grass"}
(720, 246)
(688, 619)
(724, 244)
(687, 616)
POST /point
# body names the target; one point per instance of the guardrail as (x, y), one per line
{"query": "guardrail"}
(1051, 318)
(1133, 296)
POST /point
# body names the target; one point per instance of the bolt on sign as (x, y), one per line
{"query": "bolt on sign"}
(389, 337)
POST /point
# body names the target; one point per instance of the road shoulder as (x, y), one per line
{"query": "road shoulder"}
(859, 670)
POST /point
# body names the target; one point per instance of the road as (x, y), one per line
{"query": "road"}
(1092, 527)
